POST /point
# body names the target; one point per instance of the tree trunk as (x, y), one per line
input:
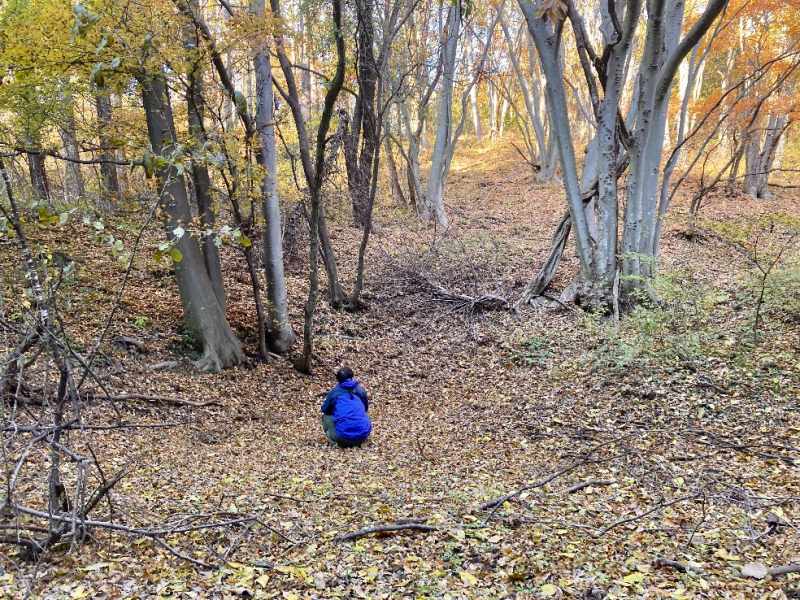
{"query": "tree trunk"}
(203, 312)
(360, 143)
(473, 94)
(433, 205)
(413, 169)
(394, 178)
(476, 114)
(313, 171)
(38, 174)
(773, 138)
(532, 107)
(760, 156)
(549, 50)
(752, 159)
(108, 171)
(736, 160)
(305, 75)
(200, 176)
(281, 336)
(74, 185)
(505, 105)
(655, 92)
(492, 92)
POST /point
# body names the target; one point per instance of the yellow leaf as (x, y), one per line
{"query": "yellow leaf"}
(548, 590)
(263, 580)
(633, 578)
(79, 593)
(724, 555)
(96, 566)
(468, 578)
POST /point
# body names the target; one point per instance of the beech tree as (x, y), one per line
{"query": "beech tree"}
(760, 150)
(540, 145)
(281, 336)
(608, 263)
(203, 312)
(448, 132)
(413, 98)
(313, 164)
(433, 201)
(200, 176)
(110, 179)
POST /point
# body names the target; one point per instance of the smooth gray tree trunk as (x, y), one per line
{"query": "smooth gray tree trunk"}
(200, 176)
(760, 151)
(664, 50)
(492, 93)
(433, 205)
(477, 127)
(394, 178)
(281, 336)
(203, 313)
(532, 106)
(504, 107)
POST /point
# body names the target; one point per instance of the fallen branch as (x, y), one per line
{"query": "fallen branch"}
(487, 302)
(545, 275)
(31, 546)
(672, 564)
(784, 570)
(636, 517)
(590, 483)
(497, 502)
(157, 399)
(458, 302)
(386, 528)
(77, 524)
(178, 554)
(283, 497)
(163, 366)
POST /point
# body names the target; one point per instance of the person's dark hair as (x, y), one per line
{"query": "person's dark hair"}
(344, 374)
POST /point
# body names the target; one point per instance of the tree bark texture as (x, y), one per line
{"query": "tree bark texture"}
(203, 312)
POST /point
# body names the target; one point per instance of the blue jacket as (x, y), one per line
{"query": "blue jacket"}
(348, 403)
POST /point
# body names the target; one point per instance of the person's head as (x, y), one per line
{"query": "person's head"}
(344, 374)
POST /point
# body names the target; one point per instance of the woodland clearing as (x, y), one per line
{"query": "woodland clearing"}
(551, 453)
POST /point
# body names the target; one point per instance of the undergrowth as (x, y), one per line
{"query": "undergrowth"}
(678, 330)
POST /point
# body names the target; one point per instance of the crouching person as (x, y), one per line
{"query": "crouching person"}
(344, 411)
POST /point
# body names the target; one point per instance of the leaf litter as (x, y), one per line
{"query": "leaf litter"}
(469, 407)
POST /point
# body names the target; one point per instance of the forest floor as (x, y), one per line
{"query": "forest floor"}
(661, 454)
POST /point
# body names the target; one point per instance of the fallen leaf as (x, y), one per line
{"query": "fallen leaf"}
(756, 570)
(548, 590)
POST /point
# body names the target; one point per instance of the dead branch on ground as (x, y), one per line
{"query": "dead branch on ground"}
(590, 483)
(402, 525)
